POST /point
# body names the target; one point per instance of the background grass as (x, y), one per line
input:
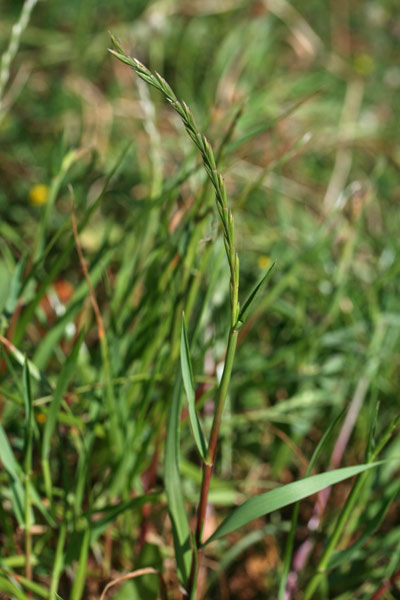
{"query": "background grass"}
(311, 170)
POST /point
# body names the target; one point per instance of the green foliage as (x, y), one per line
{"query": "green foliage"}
(287, 156)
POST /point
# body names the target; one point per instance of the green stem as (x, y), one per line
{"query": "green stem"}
(79, 582)
(222, 393)
(28, 534)
(58, 561)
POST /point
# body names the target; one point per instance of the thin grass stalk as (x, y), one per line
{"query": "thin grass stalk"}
(79, 581)
(385, 587)
(58, 561)
(225, 214)
(12, 49)
(212, 445)
(28, 471)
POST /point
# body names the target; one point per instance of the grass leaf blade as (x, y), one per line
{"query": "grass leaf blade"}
(176, 504)
(188, 382)
(263, 504)
(246, 306)
(66, 374)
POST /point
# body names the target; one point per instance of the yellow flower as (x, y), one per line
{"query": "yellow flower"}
(41, 418)
(364, 64)
(38, 194)
(264, 262)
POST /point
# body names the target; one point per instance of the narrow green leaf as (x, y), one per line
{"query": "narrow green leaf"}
(188, 382)
(31, 586)
(58, 562)
(29, 423)
(79, 581)
(8, 586)
(323, 440)
(264, 127)
(15, 288)
(15, 476)
(246, 306)
(264, 504)
(372, 432)
(98, 526)
(20, 358)
(7, 456)
(348, 554)
(173, 487)
(66, 374)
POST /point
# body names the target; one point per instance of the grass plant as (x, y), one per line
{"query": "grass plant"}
(176, 423)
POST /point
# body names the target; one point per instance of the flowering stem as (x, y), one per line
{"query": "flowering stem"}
(225, 214)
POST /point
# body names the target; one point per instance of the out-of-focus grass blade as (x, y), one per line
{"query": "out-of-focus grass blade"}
(79, 581)
(66, 374)
(195, 570)
(20, 358)
(187, 376)
(15, 592)
(267, 126)
(246, 306)
(15, 477)
(99, 526)
(31, 586)
(29, 425)
(176, 504)
(347, 555)
(264, 504)
(293, 525)
(28, 313)
(58, 562)
(15, 288)
(372, 431)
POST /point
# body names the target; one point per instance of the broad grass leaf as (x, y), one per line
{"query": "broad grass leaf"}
(264, 504)
(187, 376)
